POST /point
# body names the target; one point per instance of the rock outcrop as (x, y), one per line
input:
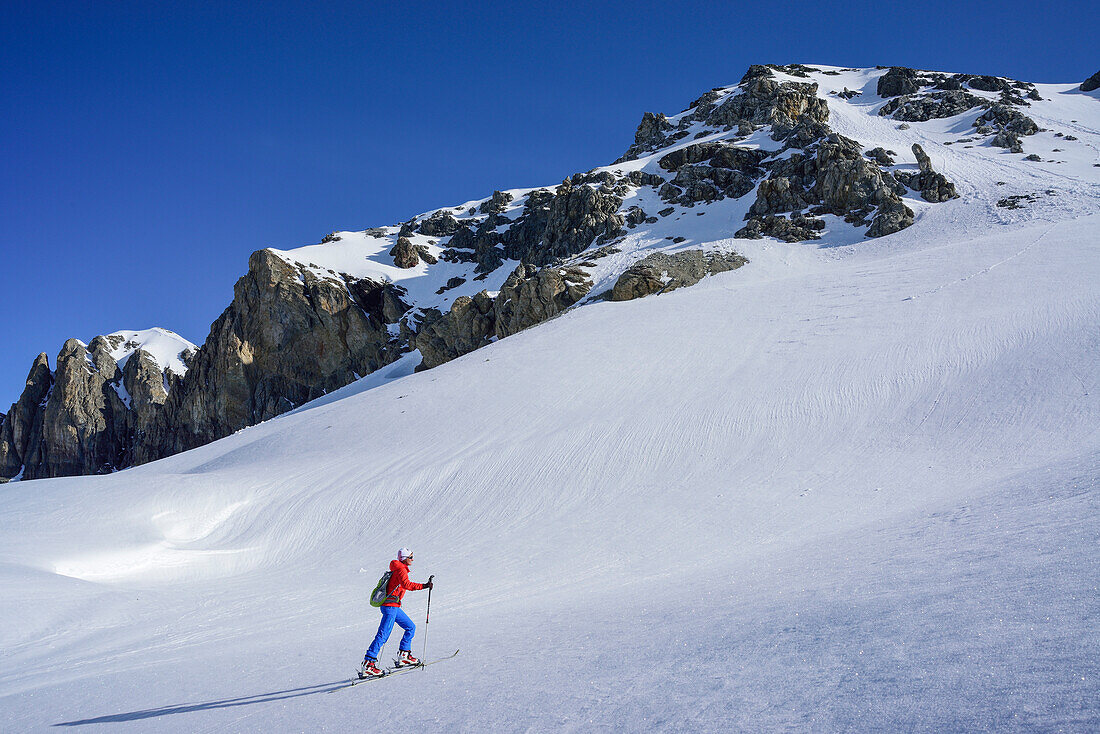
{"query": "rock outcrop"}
(90, 415)
(439, 224)
(999, 116)
(532, 295)
(846, 181)
(21, 428)
(932, 186)
(767, 101)
(1091, 84)
(930, 106)
(827, 176)
(651, 134)
(898, 81)
(904, 82)
(820, 172)
(85, 421)
(796, 229)
(710, 171)
(146, 385)
(529, 296)
(405, 254)
(662, 272)
(288, 337)
(778, 194)
(881, 156)
(761, 99)
(891, 217)
(496, 203)
(583, 210)
(917, 96)
(1007, 139)
(469, 324)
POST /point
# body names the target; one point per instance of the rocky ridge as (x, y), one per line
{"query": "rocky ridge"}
(288, 337)
(305, 322)
(95, 409)
(811, 171)
(919, 96)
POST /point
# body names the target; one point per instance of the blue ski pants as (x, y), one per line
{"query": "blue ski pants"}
(389, 616)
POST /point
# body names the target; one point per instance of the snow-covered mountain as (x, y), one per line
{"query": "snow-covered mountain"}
(796, 153)
(844, 483)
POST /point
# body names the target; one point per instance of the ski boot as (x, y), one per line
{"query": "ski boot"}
(370, 669)
(405, 660)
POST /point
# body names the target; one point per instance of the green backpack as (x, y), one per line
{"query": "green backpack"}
(379, 595)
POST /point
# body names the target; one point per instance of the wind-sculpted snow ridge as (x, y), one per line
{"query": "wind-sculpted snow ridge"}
(821, 155)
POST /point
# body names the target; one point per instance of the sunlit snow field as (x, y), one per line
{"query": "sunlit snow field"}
(848, 487)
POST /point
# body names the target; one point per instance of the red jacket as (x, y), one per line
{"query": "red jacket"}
(399, 584)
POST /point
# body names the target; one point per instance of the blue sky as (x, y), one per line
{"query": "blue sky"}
(147, 148)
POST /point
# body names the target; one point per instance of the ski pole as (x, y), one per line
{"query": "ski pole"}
(427, 616)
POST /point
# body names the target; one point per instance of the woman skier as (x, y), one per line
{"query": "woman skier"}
(391, 613)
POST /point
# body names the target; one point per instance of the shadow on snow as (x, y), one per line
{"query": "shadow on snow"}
(226, 703)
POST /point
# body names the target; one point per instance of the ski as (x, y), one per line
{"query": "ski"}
(393, 671)
(440, 660)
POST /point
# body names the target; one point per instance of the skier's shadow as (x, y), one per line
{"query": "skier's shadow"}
(226, 703)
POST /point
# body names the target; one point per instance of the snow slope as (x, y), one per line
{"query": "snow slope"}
(851, 486)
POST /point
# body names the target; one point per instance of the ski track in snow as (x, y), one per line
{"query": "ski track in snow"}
(846, 487)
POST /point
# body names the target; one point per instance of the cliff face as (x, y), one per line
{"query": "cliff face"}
(453, 280)
(86, 416)
(21, 428)
(84, 423)
(288, 337)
